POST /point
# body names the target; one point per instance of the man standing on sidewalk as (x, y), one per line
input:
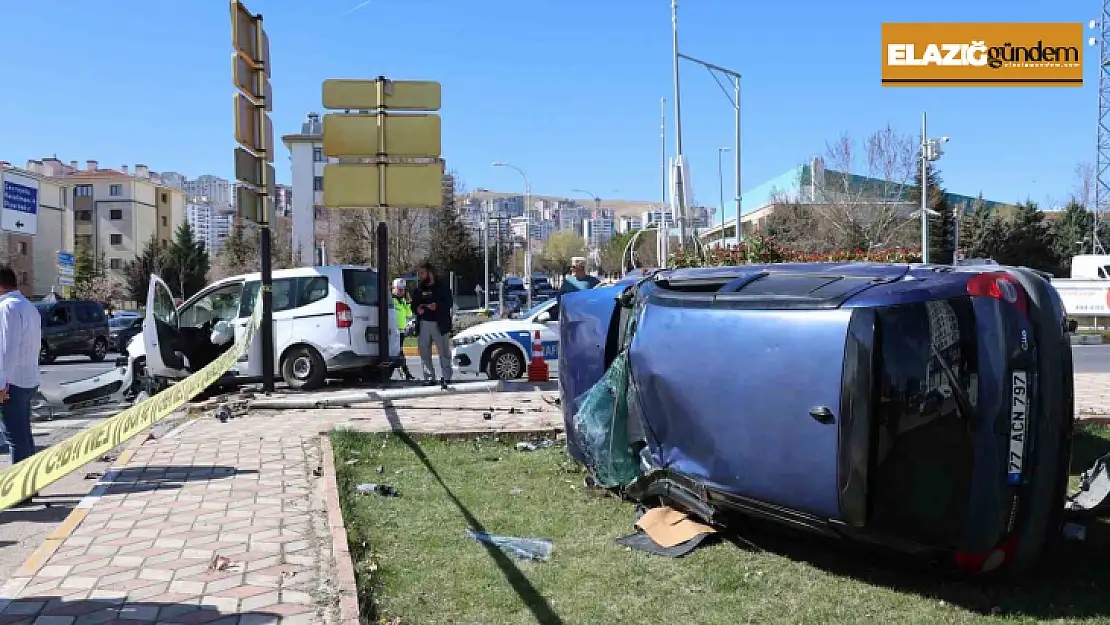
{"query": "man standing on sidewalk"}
(432, 302)
(20, 339)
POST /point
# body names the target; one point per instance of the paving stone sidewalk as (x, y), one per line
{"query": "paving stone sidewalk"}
(226, 522)
(1092, 394)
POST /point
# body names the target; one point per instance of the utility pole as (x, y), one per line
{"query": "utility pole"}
(680, 171)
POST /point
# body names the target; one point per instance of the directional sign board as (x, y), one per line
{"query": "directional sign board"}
(399, 95)
(65, 259)
(254, 131)
(358, 185)
(19, 208)
(361, 135)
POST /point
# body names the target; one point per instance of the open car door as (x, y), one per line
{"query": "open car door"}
(161, 334)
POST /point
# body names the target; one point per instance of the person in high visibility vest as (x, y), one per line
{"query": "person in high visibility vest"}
(404, 311)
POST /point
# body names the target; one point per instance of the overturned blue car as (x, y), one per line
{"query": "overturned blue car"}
(918, 408)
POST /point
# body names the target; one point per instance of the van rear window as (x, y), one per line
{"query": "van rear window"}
(924, 447)
(361, 285)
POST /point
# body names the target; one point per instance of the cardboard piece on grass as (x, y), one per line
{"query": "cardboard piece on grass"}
(669, 527)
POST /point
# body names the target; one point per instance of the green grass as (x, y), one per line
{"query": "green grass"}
(410, 341)
(416, 565)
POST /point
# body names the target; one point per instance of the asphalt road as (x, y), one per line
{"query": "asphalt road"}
(1091, 358)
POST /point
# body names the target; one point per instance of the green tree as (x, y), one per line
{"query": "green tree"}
(237, 255)
(612, 252)
(1071, 234)
(453, 249)
(561, 248)
(84, 269)
(136, 273)
(186, 262)
(1027, 240)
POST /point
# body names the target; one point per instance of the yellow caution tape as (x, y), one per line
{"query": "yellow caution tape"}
(48, 466)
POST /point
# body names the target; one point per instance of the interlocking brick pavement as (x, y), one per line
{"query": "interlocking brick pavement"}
(246, 490)
(1092, 394)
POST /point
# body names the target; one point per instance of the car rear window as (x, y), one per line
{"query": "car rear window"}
(361, 285)
(924, 447)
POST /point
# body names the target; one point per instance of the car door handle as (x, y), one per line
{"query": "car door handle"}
(822, 414)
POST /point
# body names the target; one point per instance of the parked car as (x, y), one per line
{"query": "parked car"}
(325, 324)
(501, 349)
(923, 409)
(73, 327)
(122, 329)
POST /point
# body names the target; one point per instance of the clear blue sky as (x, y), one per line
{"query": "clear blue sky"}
(566, 89)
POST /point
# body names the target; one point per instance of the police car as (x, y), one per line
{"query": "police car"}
(501, 349)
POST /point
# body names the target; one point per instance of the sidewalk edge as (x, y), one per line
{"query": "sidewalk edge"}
(345, 578)
(19, 579)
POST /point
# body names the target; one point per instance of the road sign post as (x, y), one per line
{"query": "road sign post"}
(384, 159)
(19, 206)
(254, 173)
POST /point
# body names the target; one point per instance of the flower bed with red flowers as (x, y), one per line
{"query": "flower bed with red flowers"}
(759, 249)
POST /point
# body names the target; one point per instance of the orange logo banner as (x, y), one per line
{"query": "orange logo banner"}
(961, 54)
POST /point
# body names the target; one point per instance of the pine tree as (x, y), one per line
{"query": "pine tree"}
(942, 229)
(453, 249)
(136, 273)
(1071, 235)
(186, 262)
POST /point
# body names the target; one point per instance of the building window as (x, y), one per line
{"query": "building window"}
(22, 248)
(82, 190)
(115, 214)
(116, 239)
(320, 212)
(84, 240)
(23, 279)
(115, 190)
(318, 155)
(84, 215)
(165, 198)
(165, 220)
(165, 243)
(65, 198)
(317, 183)
(115, 263)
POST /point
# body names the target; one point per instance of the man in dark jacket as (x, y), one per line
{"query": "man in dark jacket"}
(432, 303)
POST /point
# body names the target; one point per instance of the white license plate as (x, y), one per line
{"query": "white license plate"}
(1019, 420)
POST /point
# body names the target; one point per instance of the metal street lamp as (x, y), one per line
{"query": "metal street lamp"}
(527, 226)
(721, 189)
(591, 248)
(930, 151)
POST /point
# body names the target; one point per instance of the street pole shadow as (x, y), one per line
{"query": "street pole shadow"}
(537, 604)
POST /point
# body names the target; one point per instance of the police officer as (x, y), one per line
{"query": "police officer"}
(404, 311)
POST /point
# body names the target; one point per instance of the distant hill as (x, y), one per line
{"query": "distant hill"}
(624, 208)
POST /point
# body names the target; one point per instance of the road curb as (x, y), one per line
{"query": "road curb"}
(340, 549)
(1087, 339)
(54, 540)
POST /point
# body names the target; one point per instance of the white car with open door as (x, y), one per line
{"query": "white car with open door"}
(325, 324)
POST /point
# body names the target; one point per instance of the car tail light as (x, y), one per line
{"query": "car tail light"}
(978, 563)
(1000, 286)
(343, 316)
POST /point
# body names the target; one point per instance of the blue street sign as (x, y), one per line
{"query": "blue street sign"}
(65, 259)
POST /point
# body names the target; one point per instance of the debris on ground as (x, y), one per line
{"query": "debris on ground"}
(353, 461)
(380, 470)
(515, 491)
(318, 471)
(667, 532)
(552, 401)
(487, 415)
(219, 563)
(108, 458)
(538, 549)
(530, 446)
(384, 490)
(95, 475)
(223, 413)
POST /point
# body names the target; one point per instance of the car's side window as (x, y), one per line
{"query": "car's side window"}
(284, 292)
(553, 312)
(219, 304)
(311, 290)
(84, 313)
(60, 316)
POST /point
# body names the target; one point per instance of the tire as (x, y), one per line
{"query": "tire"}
(505, 363)
(45, 355)
(100, 350)
(302, 368)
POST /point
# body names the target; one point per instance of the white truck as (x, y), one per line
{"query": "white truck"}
(1087, 292)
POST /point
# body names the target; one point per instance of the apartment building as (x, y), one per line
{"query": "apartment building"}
(210, 226)
(116, 211)
(217, 191)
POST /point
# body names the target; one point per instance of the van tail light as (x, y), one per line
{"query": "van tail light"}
(1001, 286)
(343, 316)
(979, 563)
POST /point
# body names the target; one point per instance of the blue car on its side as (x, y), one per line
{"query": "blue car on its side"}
(927, 409)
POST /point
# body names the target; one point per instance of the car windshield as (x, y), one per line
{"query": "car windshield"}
(122, 322)
(924, 444)
(535, 310)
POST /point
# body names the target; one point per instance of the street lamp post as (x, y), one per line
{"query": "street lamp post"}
(527, 227)
(721, 188)
(591, 249)
(485, 254)
(930, 151)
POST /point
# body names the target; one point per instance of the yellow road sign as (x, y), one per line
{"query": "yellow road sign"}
(400, 95)
(254, 129)
(249, 169)
(246, 78)
(251, 205)
(351, 185)
(248, 38)
(360, 135)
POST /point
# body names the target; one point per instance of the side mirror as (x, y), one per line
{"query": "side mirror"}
(1073, 325)
(543, 317)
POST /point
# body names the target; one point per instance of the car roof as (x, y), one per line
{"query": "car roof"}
(296, 272)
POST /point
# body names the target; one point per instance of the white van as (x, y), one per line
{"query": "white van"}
(325, 322)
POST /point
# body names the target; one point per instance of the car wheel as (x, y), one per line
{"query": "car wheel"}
(303, 368)
(505, 363)
(45, 355)
(100, 350)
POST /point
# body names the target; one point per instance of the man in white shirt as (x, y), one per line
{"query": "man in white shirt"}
(20, 340)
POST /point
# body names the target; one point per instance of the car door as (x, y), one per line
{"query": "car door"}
(549, 333)
(161, 335)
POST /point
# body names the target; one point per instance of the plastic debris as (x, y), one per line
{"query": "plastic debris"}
(515, 491)
(385, 490)
(380, 469)
(352, 461)
(529, 446)
(535, 549)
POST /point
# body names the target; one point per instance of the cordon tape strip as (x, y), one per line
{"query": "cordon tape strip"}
(50, 465)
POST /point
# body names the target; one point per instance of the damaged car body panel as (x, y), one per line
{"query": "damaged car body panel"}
(921, 408)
